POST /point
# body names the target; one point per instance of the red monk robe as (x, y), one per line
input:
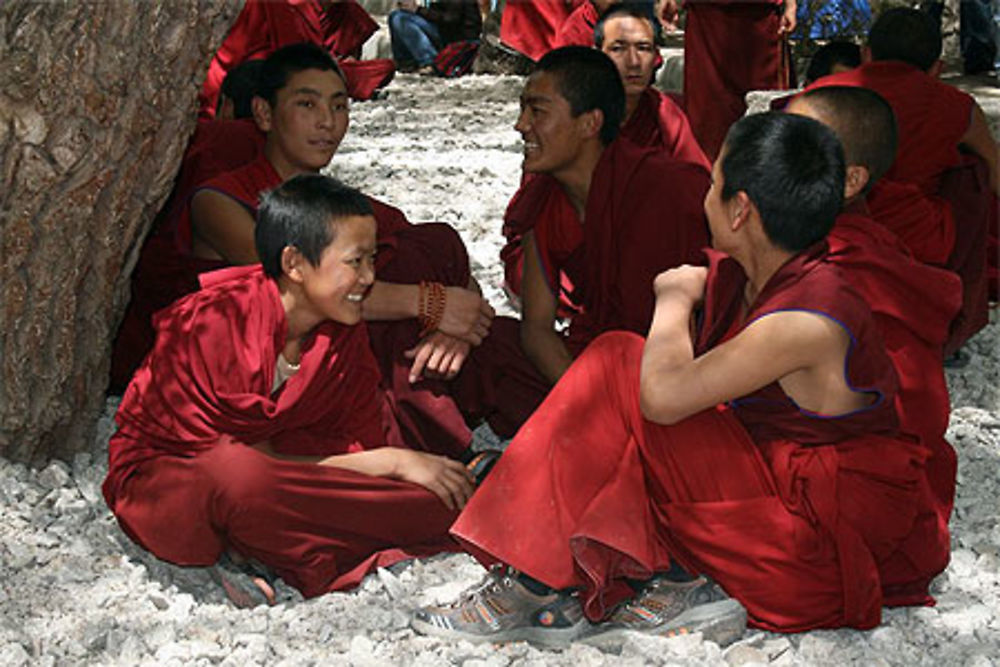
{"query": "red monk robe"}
(797, 524)
(264, 26)
(182, 486)
(913, 305)
(530, 26)
(578, 28)
(165, 269)
(915, 197)
(730, 47)
(406, 254)
(656, 122)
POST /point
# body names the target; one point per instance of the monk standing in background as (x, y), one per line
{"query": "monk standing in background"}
(932, 198)
(750, 439)
(731, 48)
(913, 305)
(254, 434)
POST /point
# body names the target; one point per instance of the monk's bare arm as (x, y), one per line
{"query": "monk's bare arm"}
(447, 479)
(804, 346)
(466, 315)
(979, 140)
(539, 340)
(223, 228)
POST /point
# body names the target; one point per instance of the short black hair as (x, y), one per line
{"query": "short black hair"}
(619, 10)
(292, 59)
(302, 212)
(792, 169)
(907, 35)
(588, 80)
(240, 85)
(838, 52)
(864, 123)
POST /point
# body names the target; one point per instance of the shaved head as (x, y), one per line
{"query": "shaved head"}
(861, 119)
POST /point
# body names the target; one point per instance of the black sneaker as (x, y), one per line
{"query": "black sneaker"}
(668, 608)
(501, 609)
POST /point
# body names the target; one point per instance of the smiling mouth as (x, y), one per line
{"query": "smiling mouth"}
(530, 147)
(355, 298)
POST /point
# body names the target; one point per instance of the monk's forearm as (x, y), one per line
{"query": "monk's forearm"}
(666, 359)
(546, 351)
(390, 301)
(381, 462)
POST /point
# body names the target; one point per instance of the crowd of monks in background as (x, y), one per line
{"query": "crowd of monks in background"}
(587, 233)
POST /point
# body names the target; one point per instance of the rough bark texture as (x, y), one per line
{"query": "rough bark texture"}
(97, 101)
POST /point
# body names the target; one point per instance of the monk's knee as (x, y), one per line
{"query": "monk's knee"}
(241, 477)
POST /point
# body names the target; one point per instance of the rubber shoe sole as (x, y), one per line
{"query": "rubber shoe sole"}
(722, 622)
(551, 638)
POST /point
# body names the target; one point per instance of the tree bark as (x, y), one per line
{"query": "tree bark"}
(97, 101)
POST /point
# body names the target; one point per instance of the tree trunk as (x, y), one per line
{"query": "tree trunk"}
(97, 101)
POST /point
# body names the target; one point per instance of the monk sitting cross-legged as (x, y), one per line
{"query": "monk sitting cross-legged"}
(935, 198)
(913, 305)
(652, 119)
(425, 306)
(747, 448)
(254, 432)
(634, 211)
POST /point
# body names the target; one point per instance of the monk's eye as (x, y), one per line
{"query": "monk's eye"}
(306, 104)
(646, 48)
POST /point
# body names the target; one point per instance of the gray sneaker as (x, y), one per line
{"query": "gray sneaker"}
(501, 609)
(668, 608)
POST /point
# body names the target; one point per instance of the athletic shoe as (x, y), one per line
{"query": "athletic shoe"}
(669, 608)
(501, 609)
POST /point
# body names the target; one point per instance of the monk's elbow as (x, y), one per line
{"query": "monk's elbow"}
(656, 406)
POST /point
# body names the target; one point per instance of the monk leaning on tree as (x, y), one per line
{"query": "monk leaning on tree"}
(768, 362)
(254, 432)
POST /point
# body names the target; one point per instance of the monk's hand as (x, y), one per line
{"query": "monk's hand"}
(684, 282)
(438, 355)
(667, 12)
(467, 315)
(449, 480)
(788, 18)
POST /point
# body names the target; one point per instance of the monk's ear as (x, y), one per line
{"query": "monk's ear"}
(741, 208)
(935, 69)
(291, 263)
(855, 181)
(261, 109)
(592, 122)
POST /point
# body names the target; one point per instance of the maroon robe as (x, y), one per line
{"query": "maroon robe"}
(799, 522)
(656, 122)
(264, 26)
(931, 182)
(183, 483)
(730, 48)
(530, 27)
(629, 238)
(578, 28)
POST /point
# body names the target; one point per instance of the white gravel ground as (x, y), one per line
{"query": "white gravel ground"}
(74, 590)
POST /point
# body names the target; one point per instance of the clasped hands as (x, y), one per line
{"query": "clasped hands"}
(465, 323)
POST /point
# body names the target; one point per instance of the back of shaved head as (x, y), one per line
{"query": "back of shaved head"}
(864, 123)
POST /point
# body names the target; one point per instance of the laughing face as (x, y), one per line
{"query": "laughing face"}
(307, 122)
(552, 135)
(335, 288)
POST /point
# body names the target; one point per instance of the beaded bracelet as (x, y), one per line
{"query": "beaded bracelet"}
(431, 305)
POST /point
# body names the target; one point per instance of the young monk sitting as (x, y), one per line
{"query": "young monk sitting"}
(425, 306)
(651, 120)
(912, 304)
(942, 223)
(750, 440)
(635, 212)
(254, 432)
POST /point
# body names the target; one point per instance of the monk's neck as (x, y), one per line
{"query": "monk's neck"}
(575, 180)
(631, 103)
(300, 321)
(760, 267)
(281, 164)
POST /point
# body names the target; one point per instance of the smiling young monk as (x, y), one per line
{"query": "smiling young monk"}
(255, 428)
(625, 33)
(750, 439)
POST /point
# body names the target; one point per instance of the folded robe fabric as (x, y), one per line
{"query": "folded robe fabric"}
(797, 524)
